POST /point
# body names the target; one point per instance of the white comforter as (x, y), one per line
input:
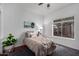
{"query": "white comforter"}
(40, 45)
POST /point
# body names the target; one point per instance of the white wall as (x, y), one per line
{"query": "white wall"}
(47, 29)
(32, 17)
(12, 19)
(71, 10)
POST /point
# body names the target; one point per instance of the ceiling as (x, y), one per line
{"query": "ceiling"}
(42, 9)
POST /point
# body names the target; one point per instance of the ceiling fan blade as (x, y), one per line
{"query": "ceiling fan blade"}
(48, 5)
(40, 4)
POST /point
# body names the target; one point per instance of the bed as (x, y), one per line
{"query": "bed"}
(39, 45)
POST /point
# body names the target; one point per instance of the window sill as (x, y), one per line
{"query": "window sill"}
(63, 38)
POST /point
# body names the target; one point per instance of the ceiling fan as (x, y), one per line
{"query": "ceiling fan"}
(48, 5)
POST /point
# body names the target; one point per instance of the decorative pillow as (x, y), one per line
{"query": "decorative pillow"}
(28, 35)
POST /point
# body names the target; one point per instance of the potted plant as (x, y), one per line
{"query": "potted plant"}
(9, 42)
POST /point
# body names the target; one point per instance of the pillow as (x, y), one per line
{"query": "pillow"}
(28, 35)
(34, 35)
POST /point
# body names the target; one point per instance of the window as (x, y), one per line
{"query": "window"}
(64, 27)
(57, 29)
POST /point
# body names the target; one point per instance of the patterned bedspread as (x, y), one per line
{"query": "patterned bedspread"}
(40, 45)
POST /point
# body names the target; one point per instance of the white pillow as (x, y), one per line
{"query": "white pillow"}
(34, 35)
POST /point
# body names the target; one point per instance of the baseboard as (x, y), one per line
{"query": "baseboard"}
(67, 46)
